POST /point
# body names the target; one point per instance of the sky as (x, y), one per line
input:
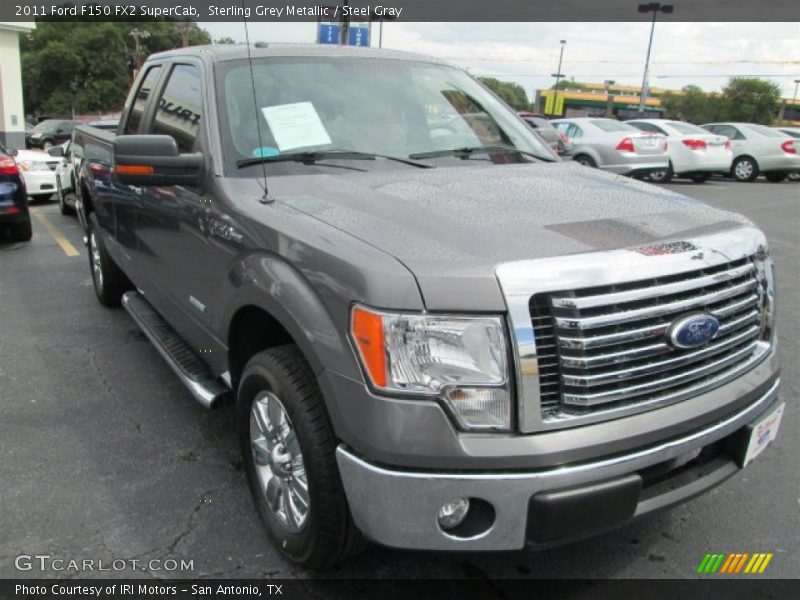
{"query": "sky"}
(703, 54)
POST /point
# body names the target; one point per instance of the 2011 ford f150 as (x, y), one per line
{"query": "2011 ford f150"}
(437, 334)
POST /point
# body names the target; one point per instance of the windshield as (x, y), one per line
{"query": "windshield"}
(48, 126)
(609, 125)
(686, 128)
(384, 107)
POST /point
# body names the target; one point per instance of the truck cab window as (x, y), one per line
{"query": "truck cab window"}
(140, 101)
(180, 107)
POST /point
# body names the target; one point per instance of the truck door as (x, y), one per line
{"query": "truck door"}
(126, 198)
(172, 221)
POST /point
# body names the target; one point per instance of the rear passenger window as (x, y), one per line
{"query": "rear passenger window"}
(140, 102)
(180, 107)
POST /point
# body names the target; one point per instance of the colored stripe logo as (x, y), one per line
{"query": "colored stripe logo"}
(734, 563)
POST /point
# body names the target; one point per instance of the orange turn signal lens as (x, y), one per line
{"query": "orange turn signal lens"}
(367, 331)
(134, 170)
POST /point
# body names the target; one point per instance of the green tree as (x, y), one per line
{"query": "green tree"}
(750, 99)
(514, 95)
(86, 66)
(692, 105)
(567, 84)
(225, 40)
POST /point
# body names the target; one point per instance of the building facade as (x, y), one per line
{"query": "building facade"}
(12, 107)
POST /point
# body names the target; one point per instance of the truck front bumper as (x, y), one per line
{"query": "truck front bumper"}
(399, 508)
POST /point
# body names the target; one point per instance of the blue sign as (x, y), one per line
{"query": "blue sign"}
(329, 33)
(358, 36)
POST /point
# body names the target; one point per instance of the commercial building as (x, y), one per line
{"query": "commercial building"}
(12, 108)
(621, 102)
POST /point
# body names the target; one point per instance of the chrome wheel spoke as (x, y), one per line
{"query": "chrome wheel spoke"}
(279, 462)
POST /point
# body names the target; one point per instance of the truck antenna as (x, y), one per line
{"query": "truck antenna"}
(266, 198)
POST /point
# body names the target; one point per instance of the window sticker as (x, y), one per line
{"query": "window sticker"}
(296, 126)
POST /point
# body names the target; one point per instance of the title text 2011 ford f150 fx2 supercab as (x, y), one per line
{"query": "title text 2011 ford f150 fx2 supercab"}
(437, 334)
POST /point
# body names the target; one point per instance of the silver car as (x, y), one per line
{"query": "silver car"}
(758, 149)
(614, 146)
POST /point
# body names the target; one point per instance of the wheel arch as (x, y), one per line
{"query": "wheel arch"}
(273, 304)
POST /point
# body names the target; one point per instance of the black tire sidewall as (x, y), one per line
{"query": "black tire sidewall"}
(263, 373)
(586, 161)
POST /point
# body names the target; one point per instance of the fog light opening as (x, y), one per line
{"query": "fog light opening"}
(466, 518)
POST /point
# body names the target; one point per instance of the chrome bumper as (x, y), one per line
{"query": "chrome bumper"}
(399, 508)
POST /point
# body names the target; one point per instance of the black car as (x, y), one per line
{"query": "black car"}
(49, 133)
(13, 198)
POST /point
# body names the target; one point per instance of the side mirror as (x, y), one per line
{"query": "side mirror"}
(56, 151)
(155, 160)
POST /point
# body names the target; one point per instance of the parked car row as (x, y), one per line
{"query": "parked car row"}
(661, 149)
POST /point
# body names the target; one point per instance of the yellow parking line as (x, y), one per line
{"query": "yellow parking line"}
(68, 248)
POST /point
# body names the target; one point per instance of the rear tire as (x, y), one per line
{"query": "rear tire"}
(282, 423)
(775, 177)
(22, 231)
(701, 177)
(585, 160)
(744, 169)
(108, 279)
(62, 204)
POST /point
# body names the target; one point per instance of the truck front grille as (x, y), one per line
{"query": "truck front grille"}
(602, 348)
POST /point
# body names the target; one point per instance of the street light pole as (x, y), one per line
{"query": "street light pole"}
(558, 75)
(794, 98)
(655, 8)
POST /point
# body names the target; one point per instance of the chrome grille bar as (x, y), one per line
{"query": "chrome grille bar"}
(657, 310)
(656, 291)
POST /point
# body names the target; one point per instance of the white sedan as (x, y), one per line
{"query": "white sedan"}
(693, 151)
(39, 172)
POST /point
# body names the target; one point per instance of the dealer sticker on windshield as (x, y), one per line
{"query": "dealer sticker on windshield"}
(763, 433)
(296, 126)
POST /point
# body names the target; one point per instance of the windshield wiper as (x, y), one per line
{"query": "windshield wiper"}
(310, 158)
(467, 151)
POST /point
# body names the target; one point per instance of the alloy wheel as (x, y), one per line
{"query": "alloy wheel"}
(97, 265)
(279, 462)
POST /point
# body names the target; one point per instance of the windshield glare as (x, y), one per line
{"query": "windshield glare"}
(377, 106)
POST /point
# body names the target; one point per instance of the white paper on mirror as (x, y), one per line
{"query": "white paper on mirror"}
(296, 126)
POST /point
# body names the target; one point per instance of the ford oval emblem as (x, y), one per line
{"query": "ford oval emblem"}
(692, 331)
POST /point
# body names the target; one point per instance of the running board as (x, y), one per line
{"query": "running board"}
(191, 370)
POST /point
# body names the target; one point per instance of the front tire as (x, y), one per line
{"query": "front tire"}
(108, 279)
(775, 177)
(744, 169)
(289, 453)
(585, 160)
(662, 175)
(701, 177)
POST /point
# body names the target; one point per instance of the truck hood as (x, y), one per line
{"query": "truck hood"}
(451, 227)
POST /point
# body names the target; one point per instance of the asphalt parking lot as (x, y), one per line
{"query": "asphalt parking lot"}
(106, 456)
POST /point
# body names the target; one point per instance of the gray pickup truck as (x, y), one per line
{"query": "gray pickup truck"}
(437, 335)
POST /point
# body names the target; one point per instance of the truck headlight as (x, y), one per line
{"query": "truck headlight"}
(462, 361)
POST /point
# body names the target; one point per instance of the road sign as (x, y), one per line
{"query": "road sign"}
(358, 35)
(329, 33)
